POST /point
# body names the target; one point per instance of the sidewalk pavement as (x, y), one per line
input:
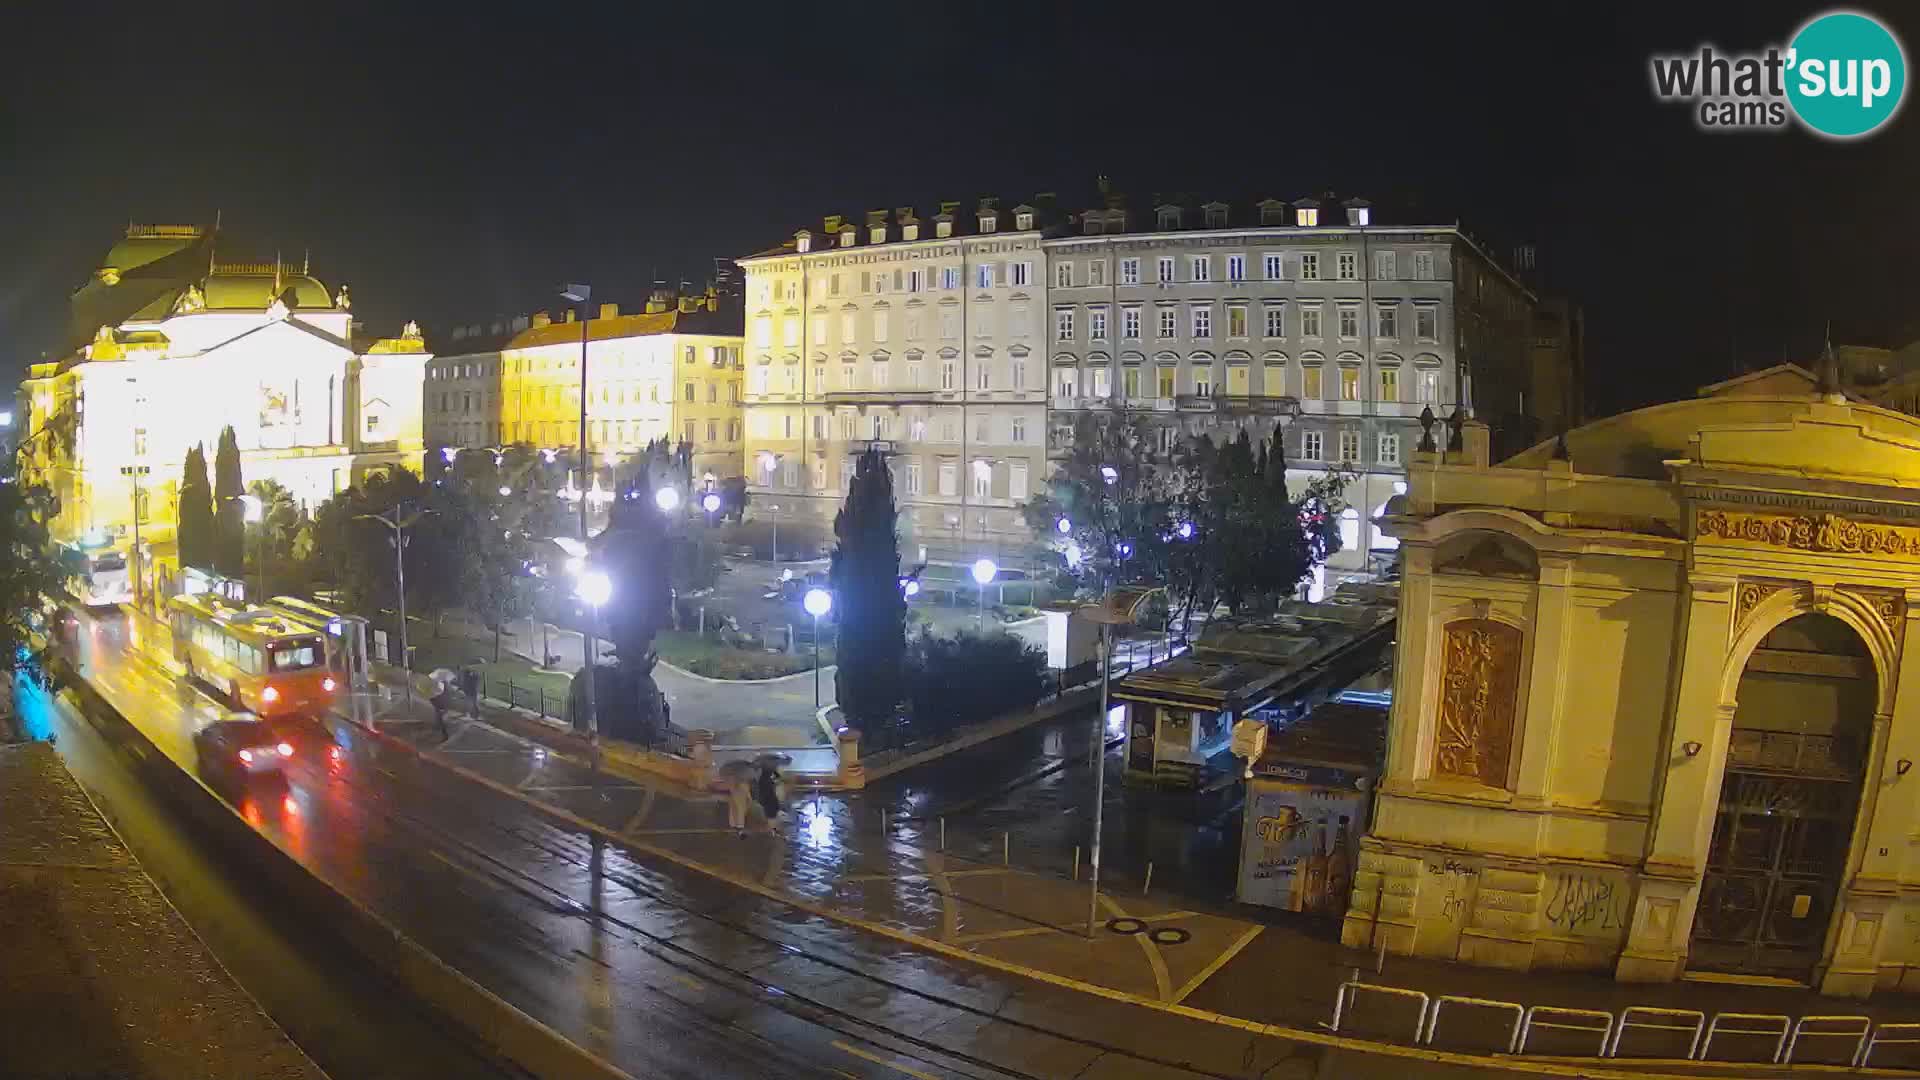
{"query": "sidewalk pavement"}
(832, 857)
(102, 976)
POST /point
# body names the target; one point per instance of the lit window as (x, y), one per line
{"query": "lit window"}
(1389, 384)
(1311, 384)
(1237, 321)
(1306, 216)
(1350, 386)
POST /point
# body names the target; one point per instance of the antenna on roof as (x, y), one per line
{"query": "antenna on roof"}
(1827, 384)
(306, 260)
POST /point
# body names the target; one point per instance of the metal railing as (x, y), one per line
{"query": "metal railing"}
(1783, 1036)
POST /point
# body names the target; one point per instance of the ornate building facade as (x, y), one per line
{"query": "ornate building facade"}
(171, 342)
(957, 340)
(672, 370)
(1653, 710)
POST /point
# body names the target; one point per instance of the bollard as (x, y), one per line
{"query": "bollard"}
(883, 820)
(1149, 882)
(1076, 862)
(943, 833)
(1006, 858)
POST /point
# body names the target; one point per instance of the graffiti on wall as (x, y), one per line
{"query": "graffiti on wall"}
(1586, 903)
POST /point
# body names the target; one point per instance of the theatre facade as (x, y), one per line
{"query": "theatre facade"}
(1653, 710)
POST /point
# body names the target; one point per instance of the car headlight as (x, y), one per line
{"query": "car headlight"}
(270, 694)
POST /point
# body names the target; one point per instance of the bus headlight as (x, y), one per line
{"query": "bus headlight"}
(270, 695)
(327, 684)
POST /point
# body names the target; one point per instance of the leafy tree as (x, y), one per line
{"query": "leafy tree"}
(194, 535)
(872, 610)
(359, 557)
(31, 574)
(969, 678)
(229, 516)
(1118, 498)
(280, 519)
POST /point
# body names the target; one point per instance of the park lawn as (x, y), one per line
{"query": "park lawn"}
(704, 656)
(542, 691)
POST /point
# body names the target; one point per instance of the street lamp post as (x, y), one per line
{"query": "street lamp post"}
(254, 512)
(398, 527)
(580, 294)
(984, 571)
(818, 602)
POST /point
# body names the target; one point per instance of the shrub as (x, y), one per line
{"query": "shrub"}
(956, 681)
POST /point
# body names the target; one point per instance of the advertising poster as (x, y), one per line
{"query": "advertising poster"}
(1298, 846)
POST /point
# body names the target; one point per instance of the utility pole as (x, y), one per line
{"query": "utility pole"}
(580, 294)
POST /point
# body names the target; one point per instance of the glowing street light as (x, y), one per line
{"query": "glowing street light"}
(253, 510)
(448, 453)
(549, 456)
(1063, 526)
(505, 491)
(817, 602)
(910, 587)
(710, 502)
(1110, 474)
(1184, 530)
(667, 499)
(984, 571)
(595, 587)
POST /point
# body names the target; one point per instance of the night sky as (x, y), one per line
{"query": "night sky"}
(457, 165)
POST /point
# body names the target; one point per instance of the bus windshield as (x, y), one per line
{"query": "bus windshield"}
(294, 655)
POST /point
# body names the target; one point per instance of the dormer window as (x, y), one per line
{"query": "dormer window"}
(1092, 224)
(989, 222)
(803, 241)
(1359, 212)
(943, 227)
(910, 232)
(847, 235)
(1169, 217)
(1306, 216)
(879, 234)
(1023, 222)
(1216, 216)
(1273, 212)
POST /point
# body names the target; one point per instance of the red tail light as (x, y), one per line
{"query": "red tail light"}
(246, 756)
(286, 749)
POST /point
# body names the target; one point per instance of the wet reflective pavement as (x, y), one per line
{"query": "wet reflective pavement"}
(668, 972)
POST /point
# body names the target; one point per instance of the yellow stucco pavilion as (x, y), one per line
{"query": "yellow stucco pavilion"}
(1653, 711)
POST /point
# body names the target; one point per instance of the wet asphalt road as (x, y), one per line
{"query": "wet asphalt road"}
(660, 971)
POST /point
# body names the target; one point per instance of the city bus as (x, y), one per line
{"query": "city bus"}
(98, 574)
(261, 660)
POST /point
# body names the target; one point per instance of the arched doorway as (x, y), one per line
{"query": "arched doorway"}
(1784, 825)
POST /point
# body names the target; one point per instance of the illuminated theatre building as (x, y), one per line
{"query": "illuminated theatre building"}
(169, 343)
(1654, 712)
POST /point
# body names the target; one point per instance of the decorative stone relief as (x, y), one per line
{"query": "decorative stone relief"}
(1826, 533)
(1889, 605)
(1749, 597)
(1479, 681)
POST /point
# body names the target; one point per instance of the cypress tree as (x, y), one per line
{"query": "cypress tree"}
(872, 611)
(195, 511)
(229, 516)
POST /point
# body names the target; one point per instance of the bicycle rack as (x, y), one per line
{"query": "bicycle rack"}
(1513, 1033)
(1911, 1031)
(1532, 1020)
(1626, 1021)
(1799, 1029)
(1776, 1026)
(1347, 990)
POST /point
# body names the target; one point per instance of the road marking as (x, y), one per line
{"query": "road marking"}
(1217, 963)
(1147, 946)
(987, 870)
(680, 832)
(878, 1060)
(949, 914)
(996, 935)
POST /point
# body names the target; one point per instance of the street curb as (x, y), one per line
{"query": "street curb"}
(490, 1019)
(1254, 1027)
(807, 674)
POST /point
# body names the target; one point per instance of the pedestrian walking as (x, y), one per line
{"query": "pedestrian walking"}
(470, 683)
(739, 797)
(769, 790)
(441, 693)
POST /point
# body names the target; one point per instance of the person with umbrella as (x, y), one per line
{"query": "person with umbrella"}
(442, 680)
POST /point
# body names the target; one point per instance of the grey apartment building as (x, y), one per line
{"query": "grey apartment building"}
(964, 343)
